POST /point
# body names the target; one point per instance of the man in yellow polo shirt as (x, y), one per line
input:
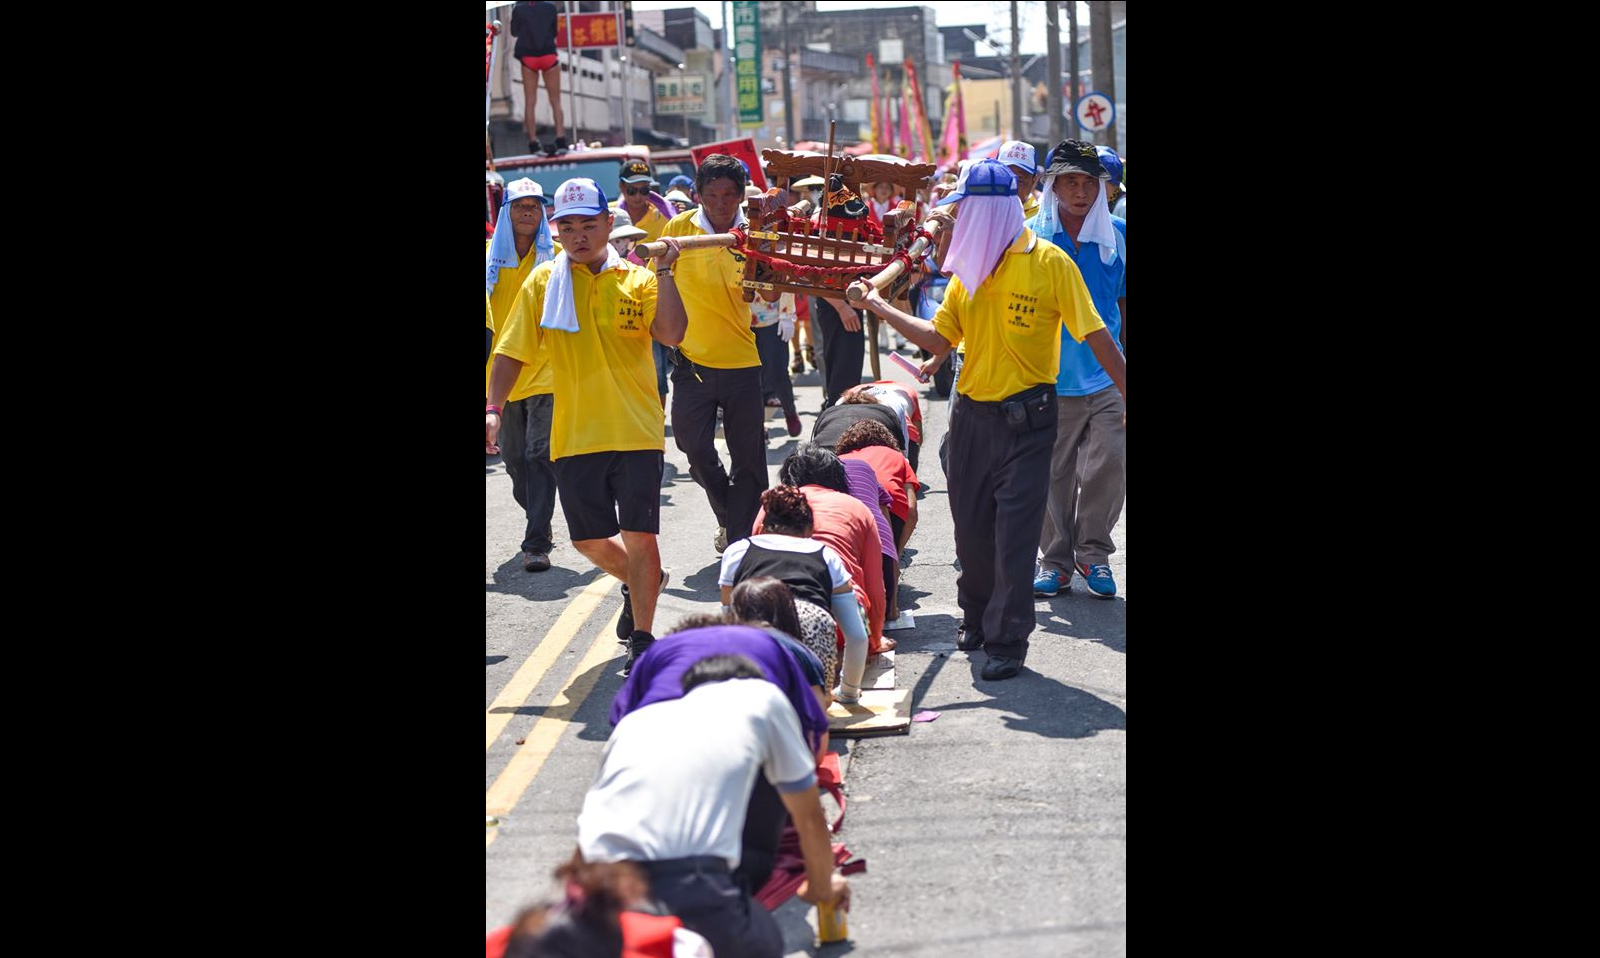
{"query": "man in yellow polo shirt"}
(522, 241)
(1002, 431)
(594, 315)
(717, 366)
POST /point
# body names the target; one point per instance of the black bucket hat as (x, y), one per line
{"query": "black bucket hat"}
(1075, 156)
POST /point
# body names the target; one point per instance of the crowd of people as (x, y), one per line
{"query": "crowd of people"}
(720, 725)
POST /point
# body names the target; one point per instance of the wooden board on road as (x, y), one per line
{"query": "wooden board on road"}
(880, 712)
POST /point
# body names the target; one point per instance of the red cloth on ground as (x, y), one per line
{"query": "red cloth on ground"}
(789, 869)
(841, 521)
(893, 472)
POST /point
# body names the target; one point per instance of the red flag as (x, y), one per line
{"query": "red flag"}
(953, 144)
(876, 145)
(905, 131)
(924, 144)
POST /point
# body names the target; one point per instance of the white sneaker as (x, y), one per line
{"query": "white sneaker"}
(720, 543)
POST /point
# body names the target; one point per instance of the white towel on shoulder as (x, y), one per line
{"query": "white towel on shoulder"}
(560, 312)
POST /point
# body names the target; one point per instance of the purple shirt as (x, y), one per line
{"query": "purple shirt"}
(864, 485)
(658, 674)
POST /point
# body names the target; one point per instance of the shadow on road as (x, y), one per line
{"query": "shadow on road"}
(1079, 616)
(1042, 705)
(700, 586)
(493, 660)
(554, 583)
(777, 454)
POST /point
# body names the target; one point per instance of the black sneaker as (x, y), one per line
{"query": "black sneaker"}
(625, 620)
(638, 642)
(968, 640)
(535, 147)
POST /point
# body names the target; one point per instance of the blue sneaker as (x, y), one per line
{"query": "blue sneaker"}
(1098, 577)
(1047, 583)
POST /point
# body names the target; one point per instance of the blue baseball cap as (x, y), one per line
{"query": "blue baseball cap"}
(983, 178)
(681, 181)
(579, 197)
(1113, 164)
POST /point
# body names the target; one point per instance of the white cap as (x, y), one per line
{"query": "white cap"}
(676, 196)
(524, 188)
(579, 197)
(1018, 153)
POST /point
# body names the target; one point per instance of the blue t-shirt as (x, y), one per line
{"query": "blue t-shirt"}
(1081, 374)
(658, 674)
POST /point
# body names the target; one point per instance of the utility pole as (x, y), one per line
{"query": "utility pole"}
(1100, 61)
(572, 79)
(727, 70)
(788, 89)
(1072, 22)
(1052, 49)
(622, 73)
(684, 89)
(1016, 77)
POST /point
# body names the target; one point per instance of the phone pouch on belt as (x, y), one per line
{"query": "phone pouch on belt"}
(1036, 410)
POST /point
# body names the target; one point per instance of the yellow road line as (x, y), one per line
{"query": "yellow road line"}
(541, 739)
(516, 692)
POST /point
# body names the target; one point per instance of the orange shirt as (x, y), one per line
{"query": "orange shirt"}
(841, 521)
(893, 473)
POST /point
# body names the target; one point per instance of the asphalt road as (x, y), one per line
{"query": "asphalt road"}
(997, 828)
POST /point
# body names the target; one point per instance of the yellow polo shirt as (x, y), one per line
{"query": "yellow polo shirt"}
(535, 379)
(1011, 324)
(652, 224)
(604, 374)
(1031, 206)
(719, 333)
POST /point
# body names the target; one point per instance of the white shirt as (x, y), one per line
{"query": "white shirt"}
(901, 404)
(676, 776)
(734, 554)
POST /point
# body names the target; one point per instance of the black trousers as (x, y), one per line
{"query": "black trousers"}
(842, 351)
(998, 491)
(763, 829)
(525, 449)
(707, 899)
(697, 393)
(774, 353)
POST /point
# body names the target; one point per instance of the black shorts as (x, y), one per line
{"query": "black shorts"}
(604, 491)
